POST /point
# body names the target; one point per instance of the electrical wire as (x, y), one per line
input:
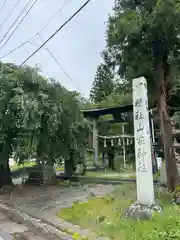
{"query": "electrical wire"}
(16, 48)
(47, 49)
(3, 5)
(50, 53)
(57, 62)
(55, 59)
(7, 40)
(5, 20)
(55, 15)
(54, 34)
(15, 21)
(49, 21)
(17, 18)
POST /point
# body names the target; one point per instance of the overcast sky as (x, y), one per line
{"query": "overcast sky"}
(77, 47)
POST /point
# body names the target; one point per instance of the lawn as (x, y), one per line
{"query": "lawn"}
(19, 166)
(28, 164)
(125, 172)
(105, 217)
(108, 174)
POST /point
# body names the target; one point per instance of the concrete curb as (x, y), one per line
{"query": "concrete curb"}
(45, 229)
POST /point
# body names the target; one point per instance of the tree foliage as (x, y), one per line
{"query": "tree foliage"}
(143, 40)
(103, 84)
(143, 32)
(38, 117)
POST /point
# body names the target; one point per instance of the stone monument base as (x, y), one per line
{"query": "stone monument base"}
(41, 174)
(139, 211)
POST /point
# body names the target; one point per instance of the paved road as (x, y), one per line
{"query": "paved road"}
(12, 230)
(44, 203)
(5, 235)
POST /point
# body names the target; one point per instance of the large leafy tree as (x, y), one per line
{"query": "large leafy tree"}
(145, 36)
(103, 84)
(12, 117)
(38, 118)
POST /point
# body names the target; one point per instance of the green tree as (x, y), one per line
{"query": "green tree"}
(12, 117)
(103, 84)
(146, 36)
(38, 118)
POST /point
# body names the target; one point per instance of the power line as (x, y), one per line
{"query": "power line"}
(47, 49)
(55, 15)
(25, 42)
(16, 48)
(12, 25)
(57, 62)
(7, 40)
(54, 34)
(52, 55)
(3, 5)
(5, 20)
(55, 59)
(64, 4)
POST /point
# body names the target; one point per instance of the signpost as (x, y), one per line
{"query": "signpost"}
(144, 176)
(145, 204)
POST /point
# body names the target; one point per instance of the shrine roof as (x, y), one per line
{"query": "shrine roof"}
(95, 113)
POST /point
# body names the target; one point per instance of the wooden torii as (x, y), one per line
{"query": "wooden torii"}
(94, 114)
(118, 117)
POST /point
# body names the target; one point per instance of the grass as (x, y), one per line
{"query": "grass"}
(105, 217)
(19, 166)
(59, 169)
(107, 174)
(114, 175)
(28, 164)
(125, 172)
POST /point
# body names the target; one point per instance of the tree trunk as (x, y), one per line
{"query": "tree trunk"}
(68, 169)
(154, 162)
(70, 164)
(166, 127)
(103, 158)
(111, 163)
(5, 175)
(5, 172)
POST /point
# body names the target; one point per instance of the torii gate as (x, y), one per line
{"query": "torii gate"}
(118, 117)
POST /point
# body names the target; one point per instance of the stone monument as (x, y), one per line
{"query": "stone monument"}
(145, 205)
(163, 175)
(41, 174)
